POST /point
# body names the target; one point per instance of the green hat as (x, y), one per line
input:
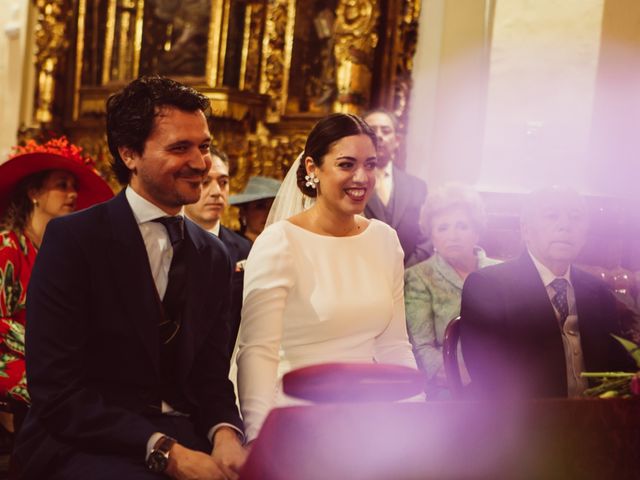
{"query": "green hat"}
(258, 188)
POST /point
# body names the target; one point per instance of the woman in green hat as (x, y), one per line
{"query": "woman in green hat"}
(254, 204)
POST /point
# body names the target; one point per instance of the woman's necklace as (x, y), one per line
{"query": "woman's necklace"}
(337, 232)
(31, 235)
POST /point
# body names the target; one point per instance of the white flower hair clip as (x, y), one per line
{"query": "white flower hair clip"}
(312, 180)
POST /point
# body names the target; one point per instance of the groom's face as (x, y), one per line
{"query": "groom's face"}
(175, 160)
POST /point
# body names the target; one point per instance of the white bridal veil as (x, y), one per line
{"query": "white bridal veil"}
(289, 200)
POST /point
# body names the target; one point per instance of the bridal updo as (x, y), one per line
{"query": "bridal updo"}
(324, 134)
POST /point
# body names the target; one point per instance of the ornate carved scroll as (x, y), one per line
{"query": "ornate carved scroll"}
(51, 44)
(355, 42)
(408, 38)
(276, 52)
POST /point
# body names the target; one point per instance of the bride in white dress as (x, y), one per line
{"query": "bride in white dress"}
(326, 284)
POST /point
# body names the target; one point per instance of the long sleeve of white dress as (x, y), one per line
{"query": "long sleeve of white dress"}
(393, 346)
(268, 279)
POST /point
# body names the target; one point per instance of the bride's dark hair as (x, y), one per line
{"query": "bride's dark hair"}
(324, 134)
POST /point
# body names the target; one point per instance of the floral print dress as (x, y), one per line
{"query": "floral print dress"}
(17, 255)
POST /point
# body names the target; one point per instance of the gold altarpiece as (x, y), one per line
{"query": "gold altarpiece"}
(271, 68)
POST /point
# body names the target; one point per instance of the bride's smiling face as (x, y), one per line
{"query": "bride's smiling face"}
(347, 174)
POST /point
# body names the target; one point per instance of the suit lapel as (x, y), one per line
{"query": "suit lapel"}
(541, 315)
(400, 195)
(375, 209)
(131, 275)
(539, 329)
(197, 271)
(229, 242)
(589, 309)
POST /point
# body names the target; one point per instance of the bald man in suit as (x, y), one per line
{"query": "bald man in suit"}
(532, 325)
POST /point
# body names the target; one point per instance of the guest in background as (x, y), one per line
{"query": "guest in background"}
(206, 212)
(398, 197)
(532, 325)
(37, 183)
(324, 284)
(455, 219)
(254, 204)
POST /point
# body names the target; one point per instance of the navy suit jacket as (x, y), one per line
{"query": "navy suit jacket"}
(238, 248)
(92, 348)
(510, 336)
(402, 213)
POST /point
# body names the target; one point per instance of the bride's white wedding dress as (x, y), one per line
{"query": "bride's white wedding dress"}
(310, 299)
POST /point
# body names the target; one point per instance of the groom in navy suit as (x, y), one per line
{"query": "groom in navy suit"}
(532, 325)
(127, 357)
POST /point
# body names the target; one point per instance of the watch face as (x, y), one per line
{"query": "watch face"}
(158, 461)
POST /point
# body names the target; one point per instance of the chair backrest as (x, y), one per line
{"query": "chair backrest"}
(450, 357)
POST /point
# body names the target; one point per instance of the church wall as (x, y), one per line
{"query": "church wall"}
(614, 138)
(505, 84)
(14, 70)
(448, 98)
(543, 68)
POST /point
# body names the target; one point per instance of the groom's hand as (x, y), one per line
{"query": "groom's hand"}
(228, 453)
(186, 464)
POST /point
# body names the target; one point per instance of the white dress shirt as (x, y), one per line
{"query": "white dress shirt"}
(155, 237)
(160, 253)
(570, 331)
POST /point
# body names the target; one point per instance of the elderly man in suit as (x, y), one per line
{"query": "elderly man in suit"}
(532, 325)
(206, 212)
(127, 336)
(398, 197)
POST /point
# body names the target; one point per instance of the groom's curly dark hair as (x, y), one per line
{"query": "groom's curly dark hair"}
(132, 111)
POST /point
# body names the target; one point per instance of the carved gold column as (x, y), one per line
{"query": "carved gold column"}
(252, 41)
(51, 44)
(355, 42)
(276, 57)
(408, 38)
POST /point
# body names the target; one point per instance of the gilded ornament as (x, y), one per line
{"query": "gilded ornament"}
(355, 42)
(277, 46)
(51, 45)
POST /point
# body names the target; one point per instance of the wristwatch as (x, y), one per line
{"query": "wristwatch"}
(159, 456)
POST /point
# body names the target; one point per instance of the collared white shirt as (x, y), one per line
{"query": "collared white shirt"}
(384, 183)
(215, 229)
(155, 237)
(570, 331)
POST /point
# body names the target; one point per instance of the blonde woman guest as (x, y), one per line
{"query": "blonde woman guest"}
(454, 217)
